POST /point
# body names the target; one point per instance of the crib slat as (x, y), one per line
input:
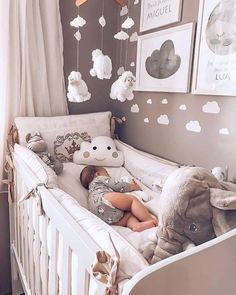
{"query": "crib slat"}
(22, 256)
(37, 253)
(26, 240)
(31, 247)
(66, 275)
(44, 256)
(53, 277)
(83, 276)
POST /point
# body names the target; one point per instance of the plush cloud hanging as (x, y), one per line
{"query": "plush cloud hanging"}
(121, 35)
(102, 21)
(102, 65)
(128, 23)
(78, 22)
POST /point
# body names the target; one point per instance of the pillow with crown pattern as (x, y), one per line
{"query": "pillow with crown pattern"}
(66, 145)
(100, 152)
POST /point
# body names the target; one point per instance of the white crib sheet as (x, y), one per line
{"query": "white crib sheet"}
(69, 182)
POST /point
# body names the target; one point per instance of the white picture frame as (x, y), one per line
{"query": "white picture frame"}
(164, 60)
(158, 13)
(214, 64)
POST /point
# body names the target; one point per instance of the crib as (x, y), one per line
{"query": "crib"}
(41, 227)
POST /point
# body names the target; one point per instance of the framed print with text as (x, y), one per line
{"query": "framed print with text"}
(158, 13)
(215, 53)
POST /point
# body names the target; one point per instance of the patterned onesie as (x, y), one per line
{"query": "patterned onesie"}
(99, 186)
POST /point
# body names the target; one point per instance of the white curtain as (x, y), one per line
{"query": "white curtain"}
(31, 63)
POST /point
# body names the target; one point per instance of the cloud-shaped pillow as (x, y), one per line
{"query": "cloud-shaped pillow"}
(163, 63)
(100, 152)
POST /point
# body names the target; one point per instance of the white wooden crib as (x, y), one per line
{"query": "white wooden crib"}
(207, 269)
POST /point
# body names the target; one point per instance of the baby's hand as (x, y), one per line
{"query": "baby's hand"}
(135, 186)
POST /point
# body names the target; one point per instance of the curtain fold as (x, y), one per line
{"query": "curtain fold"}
(31, 63)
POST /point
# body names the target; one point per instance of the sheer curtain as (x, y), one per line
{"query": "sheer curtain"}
(31, 63)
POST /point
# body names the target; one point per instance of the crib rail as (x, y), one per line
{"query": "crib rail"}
(34, 258)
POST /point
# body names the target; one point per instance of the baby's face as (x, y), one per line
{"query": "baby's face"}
(102, 172)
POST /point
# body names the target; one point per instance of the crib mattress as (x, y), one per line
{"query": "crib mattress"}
(69, 182)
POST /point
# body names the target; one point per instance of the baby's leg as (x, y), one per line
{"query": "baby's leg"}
(133, 223)
(136, 225)
(128, 202)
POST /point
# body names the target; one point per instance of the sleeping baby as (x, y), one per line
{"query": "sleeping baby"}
(108, 199)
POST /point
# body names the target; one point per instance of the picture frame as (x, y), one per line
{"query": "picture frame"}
(158, 13)
(164, 60)
(214, 70)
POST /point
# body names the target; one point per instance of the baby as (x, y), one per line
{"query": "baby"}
(108, 200)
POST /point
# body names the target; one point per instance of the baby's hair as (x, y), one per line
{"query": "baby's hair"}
(87, 175)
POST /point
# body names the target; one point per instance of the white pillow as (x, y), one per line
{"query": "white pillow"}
(100, 152)
(64, 134)
(150, 170)
(45, 174)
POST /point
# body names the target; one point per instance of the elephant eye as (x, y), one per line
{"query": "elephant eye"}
(109, 148)
(193, 227)
(94, 147)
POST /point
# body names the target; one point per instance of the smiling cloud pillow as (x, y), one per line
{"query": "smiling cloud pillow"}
(100, 152)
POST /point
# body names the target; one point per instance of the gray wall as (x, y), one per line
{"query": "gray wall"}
(172, 141)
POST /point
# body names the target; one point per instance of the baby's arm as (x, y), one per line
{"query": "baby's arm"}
(121, 186)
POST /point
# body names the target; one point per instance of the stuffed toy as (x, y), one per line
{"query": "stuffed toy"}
(220, 173)
(100, 152)
(102, 65)
(36, 144)
(77, 88)
(123, 87)
(194, 207)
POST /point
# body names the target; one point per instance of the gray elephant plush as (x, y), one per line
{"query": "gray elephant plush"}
(195, 207)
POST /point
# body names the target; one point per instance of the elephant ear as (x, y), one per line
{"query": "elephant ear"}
(221, 199)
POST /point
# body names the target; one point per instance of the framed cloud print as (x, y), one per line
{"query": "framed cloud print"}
(164, 60)
(158, 13)
(215, 55)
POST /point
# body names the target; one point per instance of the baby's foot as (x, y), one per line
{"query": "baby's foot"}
(144, 225)
(155, 220)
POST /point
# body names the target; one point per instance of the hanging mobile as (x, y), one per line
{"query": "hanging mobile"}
(102, 64)
(122, 88)
(77, 88)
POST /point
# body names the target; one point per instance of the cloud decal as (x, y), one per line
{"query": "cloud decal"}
(164, 101)
(224, 131)
(163, 62)
(193, 126)
(134, 108)
(149, 101)
(211, 107)
(183, 107)
(163, 120)
(146, 120)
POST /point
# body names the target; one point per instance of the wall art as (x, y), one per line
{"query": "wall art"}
(158, 13)
(215, 55)
(164, 60)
